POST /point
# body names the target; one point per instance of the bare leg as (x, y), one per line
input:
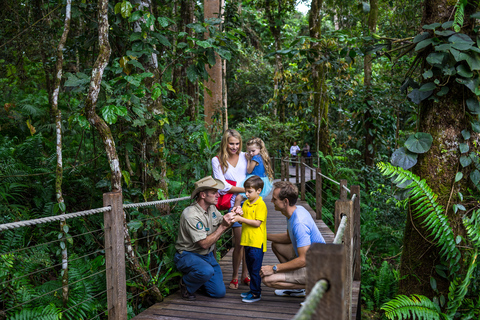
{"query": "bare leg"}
(237, 254)
(277, 281)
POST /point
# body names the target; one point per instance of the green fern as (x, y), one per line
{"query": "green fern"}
(424, 201)
(415, 307)
(459, 15)
(472, 225)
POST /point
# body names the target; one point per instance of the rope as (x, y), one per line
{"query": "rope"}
(340, 231)
(152, 203)
(307, 310)
(336, 182)
(354, 196)
(348, 190)
(32, 222)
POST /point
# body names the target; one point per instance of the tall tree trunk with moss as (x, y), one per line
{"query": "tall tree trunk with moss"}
(276, 30)
(58, 125)
(213, 93)
(320, 98)
(444, 120)
(369, 152)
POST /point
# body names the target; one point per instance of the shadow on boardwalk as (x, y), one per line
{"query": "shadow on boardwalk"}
(231, 307)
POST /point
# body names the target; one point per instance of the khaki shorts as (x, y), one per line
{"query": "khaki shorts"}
(296, 276)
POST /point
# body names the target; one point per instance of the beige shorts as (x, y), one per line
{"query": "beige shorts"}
(296, 276)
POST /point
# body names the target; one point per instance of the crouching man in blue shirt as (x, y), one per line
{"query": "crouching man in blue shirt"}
(201, 225)
(290, 247)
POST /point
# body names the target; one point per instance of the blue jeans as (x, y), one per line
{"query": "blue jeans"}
(254, 259)
(201, 270)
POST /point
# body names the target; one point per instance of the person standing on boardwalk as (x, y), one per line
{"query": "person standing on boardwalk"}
(201, 225)
(293, 151)
(230, 166)
(254, 235)
(289, 276)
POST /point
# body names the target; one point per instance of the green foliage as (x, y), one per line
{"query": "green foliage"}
(416, 306)
(424, 200)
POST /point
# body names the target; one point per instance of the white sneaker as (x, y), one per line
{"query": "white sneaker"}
(300, 293)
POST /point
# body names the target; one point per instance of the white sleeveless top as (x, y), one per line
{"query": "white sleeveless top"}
(237, 173)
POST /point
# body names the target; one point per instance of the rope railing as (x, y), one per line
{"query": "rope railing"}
(60, 217)
(153, 203)
(310, 304)
(341, 230)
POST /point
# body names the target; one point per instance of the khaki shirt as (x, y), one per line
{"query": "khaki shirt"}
(195, 225)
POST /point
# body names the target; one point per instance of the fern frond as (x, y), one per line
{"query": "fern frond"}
(472, 226)
(456, 292)
(435, 220)
(415, 307)
(459, 15)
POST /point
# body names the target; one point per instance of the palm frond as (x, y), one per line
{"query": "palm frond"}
(435, 220)
(415, 307)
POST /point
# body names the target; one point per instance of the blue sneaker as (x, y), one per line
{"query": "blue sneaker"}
(245, 294)
(251, 298)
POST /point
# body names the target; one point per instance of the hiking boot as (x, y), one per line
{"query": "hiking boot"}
(184, 292)
(299, 293)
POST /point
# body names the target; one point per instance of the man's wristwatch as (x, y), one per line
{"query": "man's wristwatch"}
(275, 269)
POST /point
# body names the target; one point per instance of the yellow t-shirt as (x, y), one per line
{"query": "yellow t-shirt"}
(251, 236)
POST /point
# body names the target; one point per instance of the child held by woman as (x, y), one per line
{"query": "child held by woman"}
(258, 164)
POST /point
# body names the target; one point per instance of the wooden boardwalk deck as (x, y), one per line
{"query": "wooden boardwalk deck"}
(231, 307)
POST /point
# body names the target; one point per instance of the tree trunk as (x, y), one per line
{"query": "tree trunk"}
(92, 97)
(369, 152)
(444, 120)
(213, 97)
(320, 100)
(58, 125)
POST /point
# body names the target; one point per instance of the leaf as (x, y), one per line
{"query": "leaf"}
(136, 36)
(417, 96)
(466, 134)
(473, 61)
(458, 239)
(471, 84)
(135, 16)
(192, 74)
(443, 91)
(225, 54)
(465, 161)
(432, 26)
(436, 58)
(65, 228)
(136, 64)
(404, 158)
(433, 283)
(134, 225)
(162, 39)
(420, 37)
(126, 9)
(473, 105)
(419, 142)
(62, 207)
(461, 207)
(204, 44)
(458, 176)
(476, 126)
(464, 71)
(447, 25)
(445, 33)
(111, 112)
(429, 86)
(423, 44)
(443, 47)
(163, 21)
(365, 7)
(476, 15)
(475, 177)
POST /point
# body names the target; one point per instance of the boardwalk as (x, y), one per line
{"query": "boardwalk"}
(231, 307)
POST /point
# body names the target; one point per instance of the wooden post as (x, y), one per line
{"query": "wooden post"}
(357, 273)
(348, 240)
(282, 170)
(302, 175)
(297, 169)
(318, 194)
(327, 261)
(311, 166)
(272, 160)
(115, 256)
(338, 210)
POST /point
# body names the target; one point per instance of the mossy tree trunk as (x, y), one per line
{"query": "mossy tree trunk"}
(444, 120)
(320, 97)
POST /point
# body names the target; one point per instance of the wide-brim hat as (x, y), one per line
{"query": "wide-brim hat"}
(207, 183)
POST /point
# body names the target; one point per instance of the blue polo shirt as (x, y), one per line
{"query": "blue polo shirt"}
(302, 229)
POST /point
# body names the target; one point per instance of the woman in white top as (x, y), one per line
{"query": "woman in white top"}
(231, 164)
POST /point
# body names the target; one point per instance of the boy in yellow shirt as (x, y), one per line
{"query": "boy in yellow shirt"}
(254, 235)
